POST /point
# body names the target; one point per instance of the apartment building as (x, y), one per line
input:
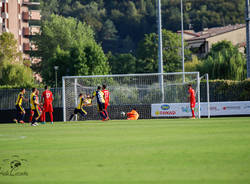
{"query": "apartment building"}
(16, 17)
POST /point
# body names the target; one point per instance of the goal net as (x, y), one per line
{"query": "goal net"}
(129, 91)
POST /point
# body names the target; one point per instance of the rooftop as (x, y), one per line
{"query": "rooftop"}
(210, 32)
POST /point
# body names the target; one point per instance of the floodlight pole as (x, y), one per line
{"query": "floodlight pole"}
(182, 43)
(248, 36)
(160, 60)
(56, 68)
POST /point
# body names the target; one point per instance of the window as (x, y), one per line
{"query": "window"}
(3, 8)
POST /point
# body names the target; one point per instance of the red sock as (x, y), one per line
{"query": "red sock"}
(31, 116)
(193, 114)
(51, 116)
(43, 116)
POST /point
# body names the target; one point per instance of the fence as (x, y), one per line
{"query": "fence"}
(8, 98)
(219, 91)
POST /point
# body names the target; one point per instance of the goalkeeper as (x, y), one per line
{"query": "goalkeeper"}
(133, 115)
(81, 102)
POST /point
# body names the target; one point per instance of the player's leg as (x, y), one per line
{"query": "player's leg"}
(192, 106)
(45, 109)
(100, 110)
(73, 114)
(51, 113)
(22, 114)
(35, 118)
(16, 120)
(104, 111)
(83, 112)
(31, 115)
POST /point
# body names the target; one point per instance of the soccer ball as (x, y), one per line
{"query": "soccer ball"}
(123, 114)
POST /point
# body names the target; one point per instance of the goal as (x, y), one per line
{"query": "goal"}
(128, 91)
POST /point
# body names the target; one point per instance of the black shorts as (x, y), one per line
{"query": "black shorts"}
(100, 106)
(20, 109)
(37, 112)
(81, 111)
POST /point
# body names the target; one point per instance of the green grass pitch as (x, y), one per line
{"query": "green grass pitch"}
(129, 152)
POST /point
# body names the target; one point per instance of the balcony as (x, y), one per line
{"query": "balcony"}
(26, 47)
(31, 31)
(32, 15)
(26, 16)
(28, 3)
(35, 15)
(26, 31)
(34, 30)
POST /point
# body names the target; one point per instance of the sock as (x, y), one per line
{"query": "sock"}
(105, 112)
(30, 118)
(22, 116)
(18, 117)
(51, 116)
(43, 116)
(193, 113)
(102, 115)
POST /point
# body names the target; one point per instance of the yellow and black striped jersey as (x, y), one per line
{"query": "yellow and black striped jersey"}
(19, 100)
(32, 101)
(99, 96)
(80, 102)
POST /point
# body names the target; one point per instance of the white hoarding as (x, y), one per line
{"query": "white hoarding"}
(216, 109)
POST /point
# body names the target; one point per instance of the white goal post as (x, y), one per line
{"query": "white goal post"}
(130, 91)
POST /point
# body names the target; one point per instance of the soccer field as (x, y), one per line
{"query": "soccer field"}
(123, 152)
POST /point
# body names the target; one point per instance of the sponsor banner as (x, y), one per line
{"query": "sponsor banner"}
(216, 109)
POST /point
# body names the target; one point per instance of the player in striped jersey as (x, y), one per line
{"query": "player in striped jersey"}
(34, 101)
(79, 109)
(100, 103)
(19, 107)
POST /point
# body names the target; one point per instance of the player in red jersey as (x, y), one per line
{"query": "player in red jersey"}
(192, 99)
(106, 97)
(47, 98)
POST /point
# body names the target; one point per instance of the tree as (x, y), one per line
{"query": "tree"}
(69, 44)
(224, 61)
(134, 18)
(12, 69)
(109, 31)
(8, 48)
(16, 74)
(147, 53)
(122, 63)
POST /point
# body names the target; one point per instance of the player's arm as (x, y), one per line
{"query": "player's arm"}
(42, 99)
(93, 95)
(35, 100)
(25, 99)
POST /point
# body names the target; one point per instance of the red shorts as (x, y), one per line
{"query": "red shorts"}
(47, 108)
(192, 104)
